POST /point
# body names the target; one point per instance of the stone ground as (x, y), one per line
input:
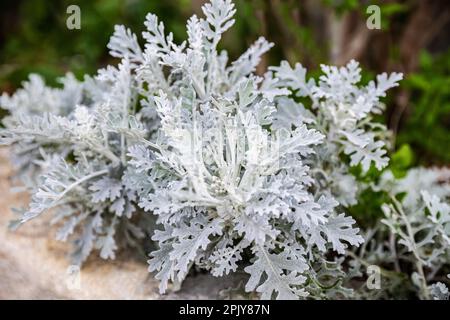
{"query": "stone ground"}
(34, 266)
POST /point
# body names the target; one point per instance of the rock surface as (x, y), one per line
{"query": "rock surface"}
(34, 266)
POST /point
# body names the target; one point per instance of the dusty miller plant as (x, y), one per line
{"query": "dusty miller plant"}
(238, 168)
(26, 110)
(244, 173)
(342, 110)
(71, 146)
(418, 216)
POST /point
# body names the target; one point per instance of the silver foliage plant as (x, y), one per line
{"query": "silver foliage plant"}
(242, 172)
(410, 242)
(26, 109)
(419, 217)
(71, 146)
(239, 167)
(342, 111)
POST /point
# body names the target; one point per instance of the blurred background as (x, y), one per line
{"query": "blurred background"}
(414, 39)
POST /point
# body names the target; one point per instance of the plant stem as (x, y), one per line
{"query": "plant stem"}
(419, 264)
